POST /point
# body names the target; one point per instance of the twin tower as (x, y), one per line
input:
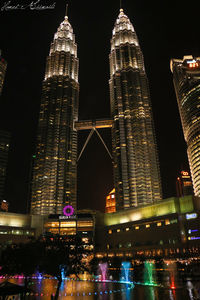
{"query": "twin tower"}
(135, 161)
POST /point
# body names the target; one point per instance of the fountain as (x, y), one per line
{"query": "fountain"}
(172, 271)
(171, 280)
(38, 275)
(149, 273)
(103, 268)
(63, 273)
(125, 272)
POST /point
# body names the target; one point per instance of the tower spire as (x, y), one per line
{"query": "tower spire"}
(120, 4)
(66, 11)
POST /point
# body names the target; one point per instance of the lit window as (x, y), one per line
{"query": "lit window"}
(147, 225)
(127, 229)
(110, 231)
(167, 222)
(173, 221)
(118, 230)
(137, 227)
(159, 224)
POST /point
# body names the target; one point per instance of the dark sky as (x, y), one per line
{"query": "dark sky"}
(164, 31)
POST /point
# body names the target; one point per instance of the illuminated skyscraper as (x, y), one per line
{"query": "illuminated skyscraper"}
(110, 202)
(3, 67)
(54, 172)
(184, 184)
(186, 77)
(136, 168)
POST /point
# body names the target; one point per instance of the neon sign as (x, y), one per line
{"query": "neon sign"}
(68, 210)
(193, 65)
(194, 238)
(184, 173)
(191, 216)
(192, 230)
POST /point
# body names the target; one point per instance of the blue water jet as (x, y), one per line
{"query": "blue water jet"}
(125, 271)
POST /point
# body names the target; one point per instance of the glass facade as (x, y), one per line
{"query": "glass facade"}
(186, 77)
(136, 169)
(3, 67)
(54, 173)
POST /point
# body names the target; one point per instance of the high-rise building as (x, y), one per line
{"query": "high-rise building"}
(110, 202)
(186, 77)
(55, 172)
(4, 149)
(4, 205)
(184, 184)
(3, 67)
(136, 169)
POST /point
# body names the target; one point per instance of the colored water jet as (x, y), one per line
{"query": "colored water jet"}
(172, 269)
(103, 268)
(125, 271)
(149, 273)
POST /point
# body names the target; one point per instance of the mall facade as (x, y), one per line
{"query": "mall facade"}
(167, 228)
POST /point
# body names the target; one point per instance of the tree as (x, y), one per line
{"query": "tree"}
(62, 255)
(53, 255)
(21, 259)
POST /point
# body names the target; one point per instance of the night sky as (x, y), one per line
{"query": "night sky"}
(164, 32)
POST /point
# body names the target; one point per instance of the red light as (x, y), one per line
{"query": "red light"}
(172, 287)
(193, 65)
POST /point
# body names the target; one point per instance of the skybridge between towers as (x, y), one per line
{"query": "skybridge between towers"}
(93, 126)
(90, 124)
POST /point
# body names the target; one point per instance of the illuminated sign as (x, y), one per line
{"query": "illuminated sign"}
(184, 173)
(194, 238)
(193, 64)
(68, 210)
(67, 217)
(192, 230)
(191, 216)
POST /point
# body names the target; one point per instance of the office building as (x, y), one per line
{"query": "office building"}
(186, 77)
(110, 202)
(4, 205)
(54, 172)
(4, 150)
(3, 67)
(184, 184)
(136, 169)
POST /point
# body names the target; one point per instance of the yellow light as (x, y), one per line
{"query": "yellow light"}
(159, 224)
(185, 173)
(137, 227)
(124, 220)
